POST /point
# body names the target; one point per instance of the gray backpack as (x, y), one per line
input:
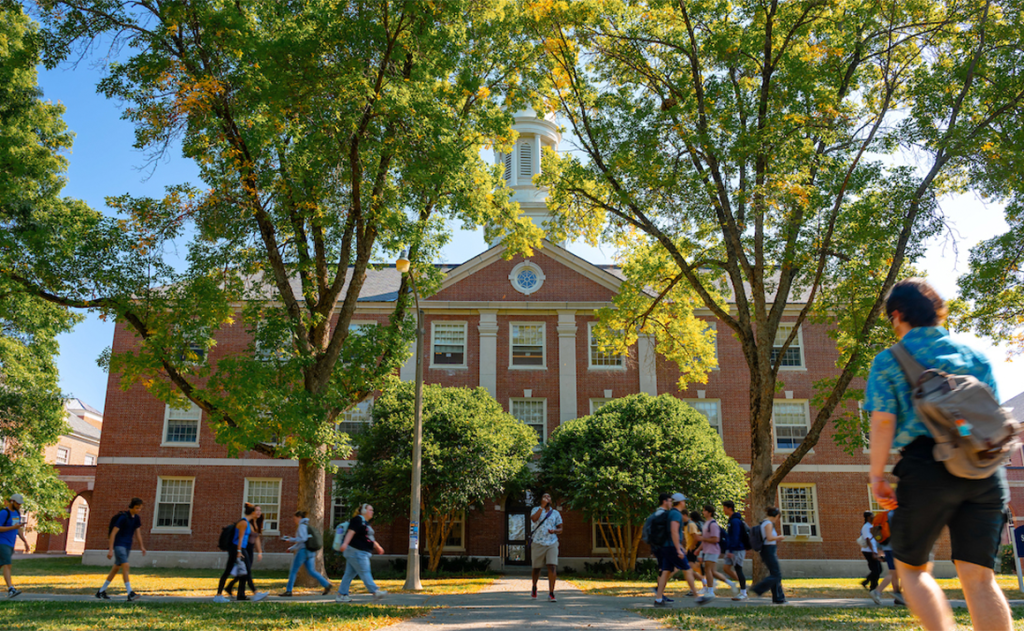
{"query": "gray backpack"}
(973, 434)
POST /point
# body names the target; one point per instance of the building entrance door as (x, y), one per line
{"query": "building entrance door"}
(517, 529)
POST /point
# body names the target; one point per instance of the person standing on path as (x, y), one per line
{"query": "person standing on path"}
(672, 555)
(236, 555)
(357, 548)
(712, 549)
(126, 529)
(255, 545)
(306, 557)
(771, 536)
(547, 525)
(929, 498)
(11, 524)
(871, 555)
(735, 550)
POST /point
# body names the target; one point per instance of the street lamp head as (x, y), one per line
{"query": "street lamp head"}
(402, 264)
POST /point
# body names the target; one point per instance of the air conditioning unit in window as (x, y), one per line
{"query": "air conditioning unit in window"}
(802, 530)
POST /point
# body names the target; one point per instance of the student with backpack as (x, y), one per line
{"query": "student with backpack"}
(667, 540)
(880, 531)
(737, 542)
(306, 542)
(11, 524)
(235, 548)
(764, 540)
(358, 546)
(869, 548)
(254, 547)
(945, 480)
(125, 527)
(711, 538)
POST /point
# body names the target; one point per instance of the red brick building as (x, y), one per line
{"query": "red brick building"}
(522, 329)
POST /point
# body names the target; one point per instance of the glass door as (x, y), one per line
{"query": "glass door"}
(516, 530)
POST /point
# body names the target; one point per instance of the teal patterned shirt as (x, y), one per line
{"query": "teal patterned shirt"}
(888, 390)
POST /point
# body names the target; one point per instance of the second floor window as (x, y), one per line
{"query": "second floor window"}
(63, 455)
(448, 340)
(794, 355)
(527, 345)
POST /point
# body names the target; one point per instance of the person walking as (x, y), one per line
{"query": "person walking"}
(255, 545)
(305, 557)
(693, 543)
(359, 545)
(771, 536)
(544, 543)
(892, 578)
(127, 528)
(672, 555)
(712, 549)
(12, 523)
(236, 554)
(735, 550)
(929, 498)
(870, 551)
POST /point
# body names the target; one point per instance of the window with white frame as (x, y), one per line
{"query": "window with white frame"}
(711, 409)
(596, 404)
(90, 459)
(602, 537)
(873, 504)
(266, 493)
(600, 356)
(456, 539)
(794, 355)
(533, 412)
(791, 421)
(63, 455)
(799, 508)
(448, 341)
(339, 512)
(357, 418)
(81, 521)
(174, 503)
(525, 161)
(527, 345)
(181, 426)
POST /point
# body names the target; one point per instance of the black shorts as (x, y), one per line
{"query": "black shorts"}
(669, 561)
(931, 498)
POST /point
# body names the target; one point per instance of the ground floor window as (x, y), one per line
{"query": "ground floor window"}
(266, 493)
(533, 412)
(799, 508)
(174, 503)
(81, 521)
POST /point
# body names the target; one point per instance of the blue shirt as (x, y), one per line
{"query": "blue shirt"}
(245, 535)
(888, 390)
(126, 526)
(734, 537)
(674, 515)
(7, 518)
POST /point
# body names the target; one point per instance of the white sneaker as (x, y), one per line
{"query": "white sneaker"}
(377, 597)
(741, 596)
(875, 596)
(343, 598)
(220, 598)
(259, 596)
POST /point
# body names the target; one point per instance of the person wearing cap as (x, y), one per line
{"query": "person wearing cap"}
(672, 556)
(11, 524)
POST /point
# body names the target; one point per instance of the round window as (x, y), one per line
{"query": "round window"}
(526, 278)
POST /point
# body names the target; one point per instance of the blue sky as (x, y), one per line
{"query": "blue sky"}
(103, 163)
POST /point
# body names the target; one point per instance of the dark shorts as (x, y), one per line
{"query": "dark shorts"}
(6, 552)
(669, 561)
(890, 560)
(121, 555)
(691, 557)
(931, 498)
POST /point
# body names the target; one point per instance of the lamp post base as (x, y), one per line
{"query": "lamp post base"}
(412, 574)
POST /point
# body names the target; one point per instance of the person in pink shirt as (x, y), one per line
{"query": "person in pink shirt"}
(712, 549)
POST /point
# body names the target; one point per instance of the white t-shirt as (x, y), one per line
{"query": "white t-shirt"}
(764, 532)
(865, 531)
(541, 536)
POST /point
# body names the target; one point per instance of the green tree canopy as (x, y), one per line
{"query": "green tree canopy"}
(774, 160)
(473, 451)
(612, 465)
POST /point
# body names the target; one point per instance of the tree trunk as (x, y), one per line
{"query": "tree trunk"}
(762, 489)
(312, 493)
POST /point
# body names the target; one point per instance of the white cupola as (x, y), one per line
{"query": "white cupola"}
(523, 163)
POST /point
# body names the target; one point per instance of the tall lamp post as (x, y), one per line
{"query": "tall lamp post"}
(412, 576)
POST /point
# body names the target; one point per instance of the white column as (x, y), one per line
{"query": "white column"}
(647, 364)
(489, 351)
(536, 153)
(567, 365)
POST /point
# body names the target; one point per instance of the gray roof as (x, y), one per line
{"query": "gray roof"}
(81, 427)
(78, 404)
(1017, 403)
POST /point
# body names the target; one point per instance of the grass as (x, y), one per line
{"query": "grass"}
(795, 588)
(265, 616)
(67, 575)
(801, 618)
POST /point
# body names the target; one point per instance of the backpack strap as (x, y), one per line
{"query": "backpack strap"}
(912, 369)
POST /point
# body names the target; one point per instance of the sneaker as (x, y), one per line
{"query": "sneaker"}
(875, 596)
(703, 600)
(220, 598)
(660, 603)
(327, 590)
(897, 599)
(379, 595)
(132, 597)
(285, 594)
(259, 596)
(691, 594)
(551, 597)
(242, 599)
(12, 592)
(533, 593)
(343, 598)
(102, 595)
(780, 602)
(667, 599)
(741, 596)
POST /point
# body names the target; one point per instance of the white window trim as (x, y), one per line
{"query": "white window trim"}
(465, 345)
(543, 345)
(594, 549)
(718, 403)
(512, 277)
(462, 528)
(167, 418)
(590, 357)
(280, 485)
(545, 423)
(799, 340)
(173, 530)
(86, 460)
(67, 455)
(817, 513)
(597, 402)
(334, 502)
(807, 421)
(85, 523)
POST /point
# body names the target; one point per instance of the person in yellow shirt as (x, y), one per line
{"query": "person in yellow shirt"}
(692, 531)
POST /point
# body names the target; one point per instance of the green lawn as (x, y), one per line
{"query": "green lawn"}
(801, 618)
(266, 616)
(67, 575)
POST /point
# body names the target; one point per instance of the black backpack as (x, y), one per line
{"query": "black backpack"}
(114, 520)
(757, 538)
(226, 541)
(744, 534)
(656, 528)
